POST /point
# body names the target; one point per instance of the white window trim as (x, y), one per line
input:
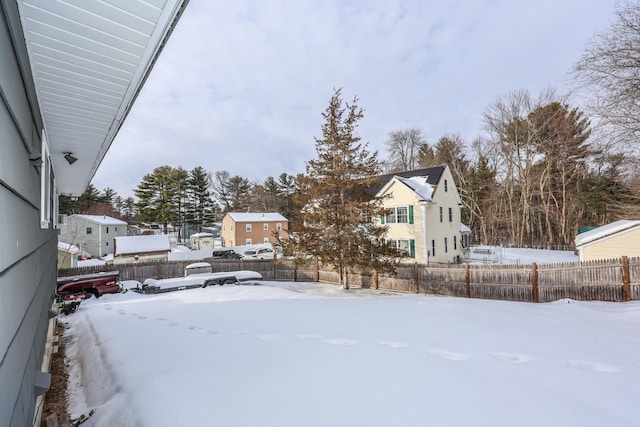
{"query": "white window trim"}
(395, 214)
(48, 189)
(248, 228)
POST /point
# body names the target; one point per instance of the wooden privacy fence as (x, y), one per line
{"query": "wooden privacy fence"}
(608, 280)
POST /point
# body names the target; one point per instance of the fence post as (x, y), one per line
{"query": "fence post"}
(415, 272)
(295, 272)
(467, 279)
(274, 262)
(375, 278)
(626, 280)
(159, 273)
(534, 282)
(317, 270)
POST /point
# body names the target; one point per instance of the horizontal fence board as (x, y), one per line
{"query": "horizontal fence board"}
(589, 281)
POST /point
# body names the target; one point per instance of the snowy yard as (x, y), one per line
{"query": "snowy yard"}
(305, 354)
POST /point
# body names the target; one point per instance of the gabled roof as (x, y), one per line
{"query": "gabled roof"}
(131, 245)
(101, 219)
(419, 185)
(432, 175)
(256, 216)
(606, 231)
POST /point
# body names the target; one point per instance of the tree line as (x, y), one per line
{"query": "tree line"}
(541, 169)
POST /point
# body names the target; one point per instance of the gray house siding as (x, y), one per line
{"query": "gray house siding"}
(27, 253)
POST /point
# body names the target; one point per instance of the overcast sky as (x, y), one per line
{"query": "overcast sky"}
(241, 85)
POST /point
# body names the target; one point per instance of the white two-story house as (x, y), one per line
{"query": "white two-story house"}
(423, 214)
(93, 234)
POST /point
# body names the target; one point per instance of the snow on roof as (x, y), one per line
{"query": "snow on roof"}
(142, 244)
(102, 219)
(67, 247)
(464, 229)
(605, 231)
(90, 262)
(201, 235)
(419, 185)
(256, 216)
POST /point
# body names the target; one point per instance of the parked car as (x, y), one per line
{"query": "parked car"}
(96, 284)
(260, 253)
(225, 254)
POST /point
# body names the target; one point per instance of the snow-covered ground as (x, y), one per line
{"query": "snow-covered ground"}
(303, 354)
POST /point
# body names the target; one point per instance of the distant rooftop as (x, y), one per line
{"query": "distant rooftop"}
(102, 219)
(257, 216)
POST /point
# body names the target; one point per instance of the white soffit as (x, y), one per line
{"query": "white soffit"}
(89, 59)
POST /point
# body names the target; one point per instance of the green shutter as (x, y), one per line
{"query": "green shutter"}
(382, 219)
(412, 248)
(410, 214)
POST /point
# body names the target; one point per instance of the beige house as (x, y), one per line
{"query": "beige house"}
(132, 249)
(424, 214)
(246, 228)
(620, 238)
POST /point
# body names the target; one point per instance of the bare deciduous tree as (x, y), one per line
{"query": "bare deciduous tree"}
(403, 147)
(610, 69)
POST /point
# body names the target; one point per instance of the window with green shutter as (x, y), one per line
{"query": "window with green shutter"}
(412, 248)
(410, 214)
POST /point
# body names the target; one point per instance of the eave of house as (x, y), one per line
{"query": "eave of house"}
(88, 60)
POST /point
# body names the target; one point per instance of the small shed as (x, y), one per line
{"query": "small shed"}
(132, 249)
(614, 240)
(201, 241)
(68, 255)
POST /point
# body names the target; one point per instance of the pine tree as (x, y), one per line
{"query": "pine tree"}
(159, 196)
(201, 208)
(337, 219)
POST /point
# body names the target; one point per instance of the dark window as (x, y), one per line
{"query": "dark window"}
(446, 245)
(440, 213)
(446, 186)
(455, 243)
(107, 230)
(433, 248)
(88, 230)
(450, 215)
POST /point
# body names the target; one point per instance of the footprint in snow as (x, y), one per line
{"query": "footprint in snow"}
(446, 354)
(212, 332)
(394, 344)
(592, 366)
(162, 319)
(511, 357)
(173, 324)
(341, 341)
(195, 328)
(142, 317)
(309, 337)
(108, 308)
(122, 312)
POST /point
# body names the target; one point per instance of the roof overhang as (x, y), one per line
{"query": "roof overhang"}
(89, 60)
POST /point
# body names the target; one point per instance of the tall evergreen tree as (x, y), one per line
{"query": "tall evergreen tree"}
(158, 196)
(337, 219)
(201, 209)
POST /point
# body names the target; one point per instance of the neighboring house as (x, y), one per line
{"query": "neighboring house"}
(199, 241)
(92, 233)
(620, 238)
(244, 228)
(69, 75)
(129, 249)
(424, 214)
